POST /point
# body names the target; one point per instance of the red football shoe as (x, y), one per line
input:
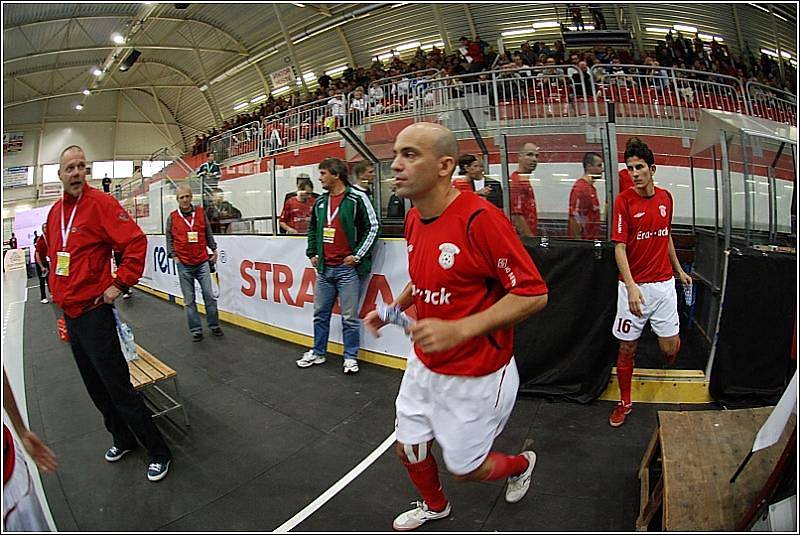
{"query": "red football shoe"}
(618, 415)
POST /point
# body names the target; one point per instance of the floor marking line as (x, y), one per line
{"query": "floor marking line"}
(309, 509)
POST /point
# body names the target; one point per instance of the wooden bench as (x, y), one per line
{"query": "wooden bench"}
(685, 473)
(147, 373)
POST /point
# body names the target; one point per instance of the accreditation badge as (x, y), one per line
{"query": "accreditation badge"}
(192, 237)
(62, 264)
(328, 234)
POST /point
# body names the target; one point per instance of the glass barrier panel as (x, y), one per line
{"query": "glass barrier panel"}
(707, 194)
(297, 187)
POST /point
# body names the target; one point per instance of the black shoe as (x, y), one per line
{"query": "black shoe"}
(196, 337)
(217, 331)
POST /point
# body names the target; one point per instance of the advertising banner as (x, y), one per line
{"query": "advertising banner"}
(282, 77)
(14, 177)
(270, 280)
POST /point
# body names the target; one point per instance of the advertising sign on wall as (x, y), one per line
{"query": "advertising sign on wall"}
(14, 177)
(282, 77)
(13, 141)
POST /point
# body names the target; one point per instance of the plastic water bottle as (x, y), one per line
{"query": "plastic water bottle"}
(126, 337)
(688, 294)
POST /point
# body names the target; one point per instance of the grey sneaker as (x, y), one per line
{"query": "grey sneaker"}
(309, 359)
(350, 366)
(518, 485)
(114, 454)
(416, 517)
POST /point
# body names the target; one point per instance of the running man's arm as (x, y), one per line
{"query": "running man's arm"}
(404, 300)
(43, 456)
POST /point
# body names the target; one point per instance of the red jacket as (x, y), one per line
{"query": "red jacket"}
(100, 225)
(189, 254)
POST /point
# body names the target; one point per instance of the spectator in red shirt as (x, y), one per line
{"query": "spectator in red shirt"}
(522, 199)
(84, 226)
(471, 281)
(646, 260)
(297, 209)
(42, 262)
(584, 205)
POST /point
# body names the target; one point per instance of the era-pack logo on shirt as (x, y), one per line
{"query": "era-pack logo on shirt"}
(447, 258)
(432, 297)
(663, 210)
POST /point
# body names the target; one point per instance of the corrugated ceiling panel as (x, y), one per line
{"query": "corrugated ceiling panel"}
(240, 88)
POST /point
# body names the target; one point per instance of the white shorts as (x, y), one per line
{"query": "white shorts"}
(660, 307)
(463, 414)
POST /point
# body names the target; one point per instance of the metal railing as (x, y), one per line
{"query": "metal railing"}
(770, 103)
(242, 142)
(387, 97)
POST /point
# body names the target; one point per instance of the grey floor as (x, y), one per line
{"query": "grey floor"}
(267, 438)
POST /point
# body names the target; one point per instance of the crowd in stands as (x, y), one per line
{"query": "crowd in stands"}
(475, 56)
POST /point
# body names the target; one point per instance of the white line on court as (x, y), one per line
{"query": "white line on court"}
(309, 509)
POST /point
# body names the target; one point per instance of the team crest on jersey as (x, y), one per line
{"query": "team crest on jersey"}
(663, 210)
(502, 263)
(447, 258)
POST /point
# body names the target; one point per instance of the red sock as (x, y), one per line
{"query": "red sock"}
(504, 466)
(624, 375)
(425, 476)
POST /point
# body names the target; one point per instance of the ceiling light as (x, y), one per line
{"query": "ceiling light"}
(719, 39)
(546, 24)
(87, 92)
(259, 98)
(780, 17)
(97, 72)
(769, 52)
(240, 106)
(407, 46)
(585, 27)
(117, 38)
(684, 28)
(278, 90)
(298, 4)
(653, 29)
(785, 54)
(387, 55)
(203, 87)
(79, 107)
(765, 10)
(522, 31)
(336, 70)
(309, 76)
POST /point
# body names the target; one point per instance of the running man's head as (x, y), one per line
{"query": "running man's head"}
(72, 170)
(592, 166)
(424, 158)
(470, 166)
(528, 158)
(184, 196)
(640, 162)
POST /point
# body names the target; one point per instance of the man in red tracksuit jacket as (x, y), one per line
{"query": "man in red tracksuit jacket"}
(83, 228)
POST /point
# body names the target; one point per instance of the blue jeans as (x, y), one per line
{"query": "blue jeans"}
(344, 281)
(187, 276)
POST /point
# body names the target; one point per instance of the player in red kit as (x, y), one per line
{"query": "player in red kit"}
(646, 260)
(584, 205)
(471, 281)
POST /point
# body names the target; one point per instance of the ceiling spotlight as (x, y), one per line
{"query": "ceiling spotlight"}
(117, 38)
(97, 72)
(87, 92)
(78, 107)
(128, 62)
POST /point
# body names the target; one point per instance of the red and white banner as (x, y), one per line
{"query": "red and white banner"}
(269, 279)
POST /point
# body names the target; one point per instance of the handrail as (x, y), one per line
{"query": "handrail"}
(769, 102)
(239, 141)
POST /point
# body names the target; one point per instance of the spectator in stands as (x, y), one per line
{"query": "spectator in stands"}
(529, 56)
(341, 234)
(584, 205)
(42, 262)
(522, 200)
(221, 213)
(358, 106)
(375, 98)
(296, 211)
(86, 294)
(189, 237)
(471, 168)
(551, 70)
(12, 241)
(574, 12)
(599, 20)
(22, 510)
(335, 110)
(106, 183)
(364, 172)
(209, 172)
(582, 80)
(137, 174)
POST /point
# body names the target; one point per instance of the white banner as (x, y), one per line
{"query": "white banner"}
(14, 177)
(282, 77)
(270, 280)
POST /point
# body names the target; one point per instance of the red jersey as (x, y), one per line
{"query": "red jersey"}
(297, 213)
(335, 253)
(100, 224)
(584, 208)
(9, 455)
(41, 248)
(523, 201)
(462, 263)
(643, 224)
(190, 253)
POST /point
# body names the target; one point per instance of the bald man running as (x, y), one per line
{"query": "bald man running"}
(471, 281)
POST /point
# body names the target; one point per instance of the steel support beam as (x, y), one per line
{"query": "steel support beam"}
(290, 47)
(437, 15)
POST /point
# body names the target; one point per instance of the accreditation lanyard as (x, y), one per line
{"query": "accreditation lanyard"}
(191, 235)
(62, 257)
(329, 232)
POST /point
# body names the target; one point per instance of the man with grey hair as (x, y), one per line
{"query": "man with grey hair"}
(471, 282)
(189, 237)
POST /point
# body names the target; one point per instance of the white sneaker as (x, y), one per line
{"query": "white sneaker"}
(309, 359)
(518, 485)
(350, 366)
(45, 301)
(416, 517)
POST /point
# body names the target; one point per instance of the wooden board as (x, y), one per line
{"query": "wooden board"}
(147, 370)
(701, 450)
